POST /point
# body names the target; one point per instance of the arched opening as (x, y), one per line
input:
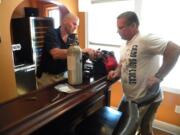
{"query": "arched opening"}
(29, 23)
(7, 9)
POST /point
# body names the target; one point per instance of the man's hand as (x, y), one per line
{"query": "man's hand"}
(112, 74)
(91, 52)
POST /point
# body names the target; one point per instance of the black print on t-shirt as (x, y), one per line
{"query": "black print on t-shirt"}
(133, 65)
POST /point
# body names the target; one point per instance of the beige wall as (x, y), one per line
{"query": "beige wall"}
(7, 77)
(19, 10)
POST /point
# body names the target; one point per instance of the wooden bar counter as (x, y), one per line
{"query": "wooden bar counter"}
(48, 111)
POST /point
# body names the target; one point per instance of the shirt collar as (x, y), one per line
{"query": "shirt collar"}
(134, 37)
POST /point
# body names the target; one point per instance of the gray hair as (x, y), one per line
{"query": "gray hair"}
(130, 17)
(70, 16)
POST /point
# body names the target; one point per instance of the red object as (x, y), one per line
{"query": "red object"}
(110, 63)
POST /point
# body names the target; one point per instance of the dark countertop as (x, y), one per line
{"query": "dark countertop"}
(41, 106)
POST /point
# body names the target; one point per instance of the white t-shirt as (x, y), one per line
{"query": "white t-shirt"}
(140, 60)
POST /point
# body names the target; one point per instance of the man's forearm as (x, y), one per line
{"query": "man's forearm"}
(118, 70)
(58, 53)
(170, 58)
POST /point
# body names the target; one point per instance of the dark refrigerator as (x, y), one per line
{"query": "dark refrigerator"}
(28, 40)
(25, 79)
(24, 72)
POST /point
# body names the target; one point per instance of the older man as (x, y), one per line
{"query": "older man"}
(54, 58)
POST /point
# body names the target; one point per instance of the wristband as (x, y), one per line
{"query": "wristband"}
(157, 76)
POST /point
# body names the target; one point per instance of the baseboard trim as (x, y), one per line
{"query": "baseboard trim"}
(169, 128)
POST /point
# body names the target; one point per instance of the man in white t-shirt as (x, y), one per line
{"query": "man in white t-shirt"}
(139, 67)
